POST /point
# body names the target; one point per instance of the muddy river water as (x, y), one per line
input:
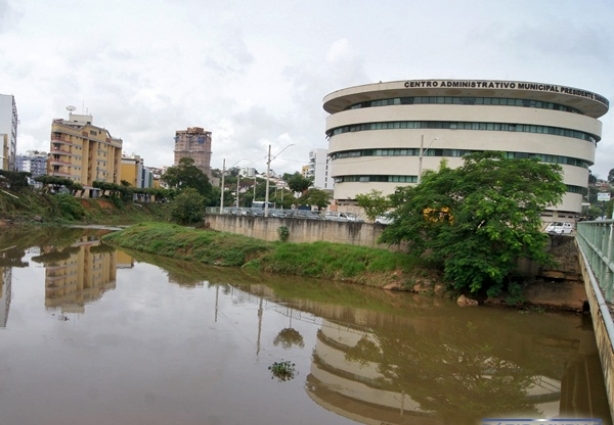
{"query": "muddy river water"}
(93, 335)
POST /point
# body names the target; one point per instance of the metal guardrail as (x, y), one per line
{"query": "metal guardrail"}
(596, 239)
(284, 213)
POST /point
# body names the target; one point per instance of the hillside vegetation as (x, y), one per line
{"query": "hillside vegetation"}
(26, 206)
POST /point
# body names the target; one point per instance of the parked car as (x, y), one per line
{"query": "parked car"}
(559, 228)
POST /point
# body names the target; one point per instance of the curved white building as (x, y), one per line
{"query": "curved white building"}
(377, 131)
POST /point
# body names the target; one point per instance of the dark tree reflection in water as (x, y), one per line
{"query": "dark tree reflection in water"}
(459, 383)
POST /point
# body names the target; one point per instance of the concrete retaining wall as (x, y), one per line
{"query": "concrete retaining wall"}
(301, 230)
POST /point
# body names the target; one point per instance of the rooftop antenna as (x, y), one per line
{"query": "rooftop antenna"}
(70, 108)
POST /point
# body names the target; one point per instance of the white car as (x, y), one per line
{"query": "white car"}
(383, 219)
(341, 216)
(559, 228)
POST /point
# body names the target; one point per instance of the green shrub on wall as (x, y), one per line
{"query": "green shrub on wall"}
(283, 233)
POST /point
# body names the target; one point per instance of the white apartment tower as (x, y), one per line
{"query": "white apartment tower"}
(34, 162)
(319, 168)
(8, 132)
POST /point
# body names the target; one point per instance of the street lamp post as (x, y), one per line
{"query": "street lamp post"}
(422, 155)
(268, 170)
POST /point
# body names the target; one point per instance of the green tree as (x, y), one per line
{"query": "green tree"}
(374, 203)
(593, 178)
(187, 175)
(477, 220)
(317, 197)
(77, 188)
(187, 207)
(14, 180)
(53, 182)
(281, 197)
(298, 183)
(610, 177)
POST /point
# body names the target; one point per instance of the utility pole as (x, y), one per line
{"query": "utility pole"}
(255, 182)
(266, 195)
(238, 187)
(420, 158)
(422, 155)
(222, 187)
(268, 170)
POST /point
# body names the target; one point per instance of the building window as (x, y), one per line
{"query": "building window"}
(459, 100)
(461, 125)
(458, 153)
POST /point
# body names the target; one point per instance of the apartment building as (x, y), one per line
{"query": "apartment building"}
(194, 143)
(319, 168)
(83, 152)
(33, 162)
(133, 171)
(8, 132)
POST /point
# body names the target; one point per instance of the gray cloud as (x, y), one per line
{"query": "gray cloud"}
(256, 75)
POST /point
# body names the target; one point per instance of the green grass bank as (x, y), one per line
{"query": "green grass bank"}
(368, 266)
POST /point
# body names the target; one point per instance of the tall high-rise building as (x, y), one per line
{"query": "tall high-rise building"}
(83, 152)
(34, 162)
(194, 143)
(8, 132)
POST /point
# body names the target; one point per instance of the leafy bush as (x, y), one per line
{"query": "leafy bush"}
(187, 207)
(283, 233)
(69, 207)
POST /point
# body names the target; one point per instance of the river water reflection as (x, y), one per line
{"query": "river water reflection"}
(91, 335)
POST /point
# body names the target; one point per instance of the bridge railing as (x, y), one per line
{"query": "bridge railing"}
(596, 239)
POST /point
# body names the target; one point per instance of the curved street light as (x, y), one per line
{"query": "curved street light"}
(268, 170)
(422, 155)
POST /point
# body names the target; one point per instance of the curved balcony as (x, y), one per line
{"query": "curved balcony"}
(55, 139)
(61, 174)
(61, 151)
(59, 162)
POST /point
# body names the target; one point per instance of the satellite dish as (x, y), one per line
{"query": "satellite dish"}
(70, 108)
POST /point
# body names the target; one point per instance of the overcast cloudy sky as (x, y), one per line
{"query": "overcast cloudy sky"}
(255, 72)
